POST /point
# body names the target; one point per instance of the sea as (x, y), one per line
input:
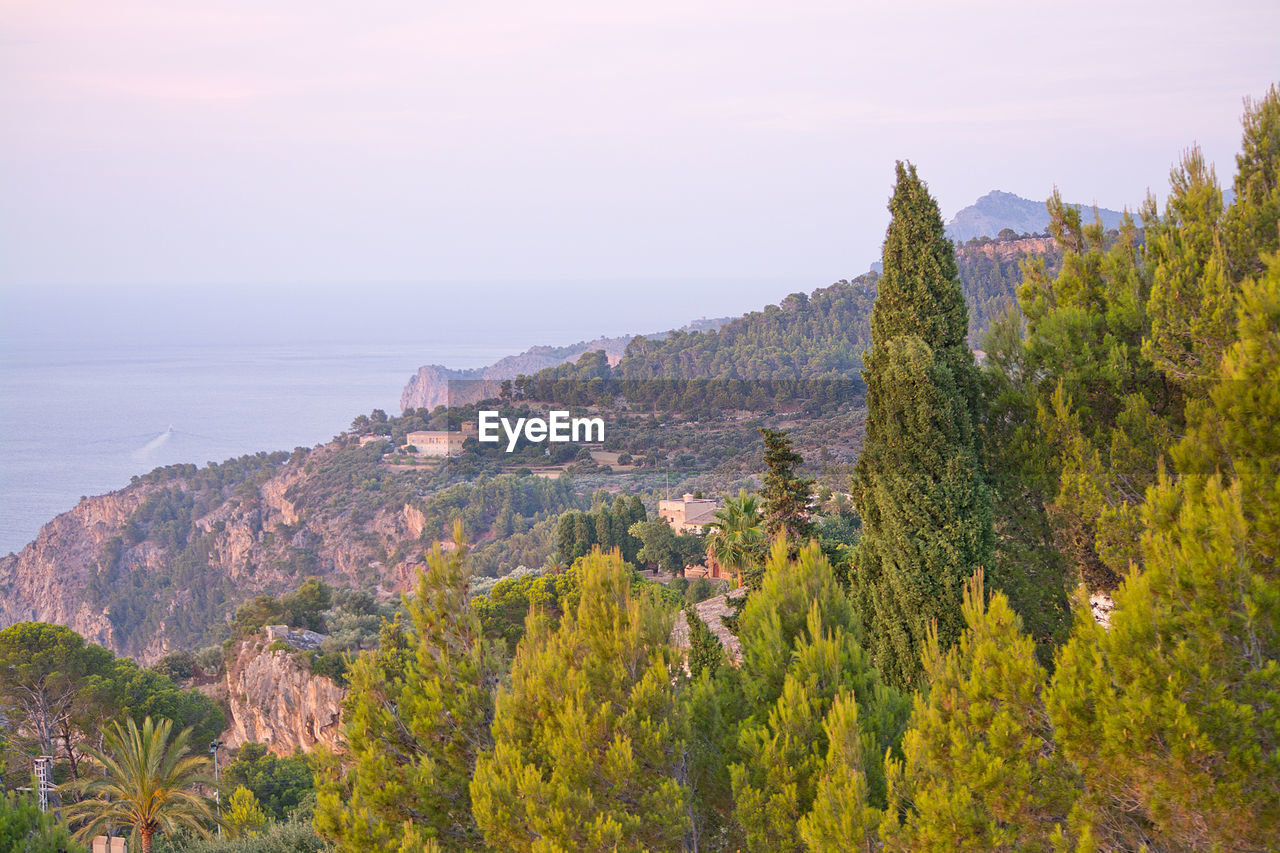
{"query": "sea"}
(98, 384)
(83, 421)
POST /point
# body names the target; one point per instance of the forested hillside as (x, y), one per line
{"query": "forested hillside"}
(916, 665)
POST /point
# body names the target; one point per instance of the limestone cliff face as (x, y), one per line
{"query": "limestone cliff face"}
(46, 581)
(1006, 250)
(429, 387)
(276, 701)
(120, 583)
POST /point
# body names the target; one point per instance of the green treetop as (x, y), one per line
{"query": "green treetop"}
(1170, 714)
(417, 715)
(589, 738)
(786, 496)
(980, 768)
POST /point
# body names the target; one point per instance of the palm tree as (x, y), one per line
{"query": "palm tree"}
(146, 782)
(736, 539)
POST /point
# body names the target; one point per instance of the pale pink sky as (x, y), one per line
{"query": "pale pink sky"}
(244, 141)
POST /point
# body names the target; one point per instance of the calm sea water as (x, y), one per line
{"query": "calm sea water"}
(82, 422)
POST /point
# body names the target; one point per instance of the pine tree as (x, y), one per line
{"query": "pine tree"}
(244, 813)
(589, 738)
(1192, 295)
(919, 485)
(417, 714)
(1104, 413)
(801, 654)
(980, 768)
(843, 817)
(1252, 223)
(787, 497)
(1170, 715)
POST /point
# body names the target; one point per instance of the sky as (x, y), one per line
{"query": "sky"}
(237, 143)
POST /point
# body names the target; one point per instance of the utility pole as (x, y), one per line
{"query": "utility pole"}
(214, 746)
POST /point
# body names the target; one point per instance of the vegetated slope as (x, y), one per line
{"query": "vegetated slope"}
(997, 211)
(820, 335)
(429, 387)
(990, 271)
(161, 564)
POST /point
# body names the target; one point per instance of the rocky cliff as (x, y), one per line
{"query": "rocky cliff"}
(161, 564)
(429, 387)
(46, 580)
(276, 701)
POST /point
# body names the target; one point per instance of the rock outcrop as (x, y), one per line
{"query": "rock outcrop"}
(276, 701)
(429, 387)
(126, 585)
(46, 581)
(997, 210)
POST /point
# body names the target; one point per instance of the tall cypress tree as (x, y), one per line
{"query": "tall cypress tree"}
(919, 484)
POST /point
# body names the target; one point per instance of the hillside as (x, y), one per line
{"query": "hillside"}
(429, 386)
(997, 210)
(162, 563)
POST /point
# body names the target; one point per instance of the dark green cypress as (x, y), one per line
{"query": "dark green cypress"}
(919, 485)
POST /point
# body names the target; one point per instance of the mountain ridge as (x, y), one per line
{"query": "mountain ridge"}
(998, 210)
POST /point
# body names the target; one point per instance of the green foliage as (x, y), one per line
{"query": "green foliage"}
(919, 487)
(59, 692)
(503, 611)
(281, 785)
(664, 549)
(736, 539)
(287, 837)
(589, 735)
(1250, 230)
(176, 666)
(148, 782)
(980, 768)
(416, 717)
(842, 817)
(801, 652)
(605, 527)
(1171, 714)
(244, 815)
(23, 827)
(786, 497)
(705, 651)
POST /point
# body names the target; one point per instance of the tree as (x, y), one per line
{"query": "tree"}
(244, 813)
(589, 735)
(736, 538)
(981, 770)
(801, 653)
(919, 484)
(1250, 227)
(842, 817)
(23, 827)
(1170, 713)
(661, 547)
(417, 715)
(147, 782)
(43, 672)
(786, 497)
(1105, 413)
(60, 691)
(279, 784)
